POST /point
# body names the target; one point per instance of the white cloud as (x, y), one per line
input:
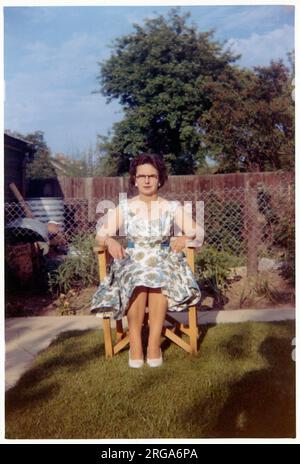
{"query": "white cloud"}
(260, 49)
(242, 17)
(63, 114)
(246, 16)
(71, 61)
(53, 93)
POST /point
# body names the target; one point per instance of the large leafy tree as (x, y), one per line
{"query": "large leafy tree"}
(157, 74)
(250, 125)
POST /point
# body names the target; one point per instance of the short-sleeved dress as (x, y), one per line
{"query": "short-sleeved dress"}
(149, 262)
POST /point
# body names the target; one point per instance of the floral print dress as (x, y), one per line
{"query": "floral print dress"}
(149, 262)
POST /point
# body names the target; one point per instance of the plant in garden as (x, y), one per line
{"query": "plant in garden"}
(280, 228)
(284, 236)
(265, 290)
(64, 308)
(79, 268)
(213, 269)
(244, 296)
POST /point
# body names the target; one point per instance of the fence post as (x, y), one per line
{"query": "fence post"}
(88, 193)
(252, 227)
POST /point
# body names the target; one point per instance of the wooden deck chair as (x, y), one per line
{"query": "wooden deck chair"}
(112, 347)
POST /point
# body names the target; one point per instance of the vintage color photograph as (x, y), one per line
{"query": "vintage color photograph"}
(149, 216)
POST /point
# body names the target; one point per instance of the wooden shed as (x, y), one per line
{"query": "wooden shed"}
(17, 152)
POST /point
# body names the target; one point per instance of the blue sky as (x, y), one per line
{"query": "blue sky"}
(51, 56)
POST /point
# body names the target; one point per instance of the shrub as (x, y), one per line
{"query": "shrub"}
(213, 267)
(284, 235)
(79, 269)
(280, 225)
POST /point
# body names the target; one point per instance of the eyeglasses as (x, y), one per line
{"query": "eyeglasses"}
(143, 177)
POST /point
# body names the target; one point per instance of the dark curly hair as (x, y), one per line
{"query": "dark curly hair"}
(149, 158)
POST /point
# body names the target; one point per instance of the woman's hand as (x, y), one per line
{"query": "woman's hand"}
(179, 243)
(114, 248)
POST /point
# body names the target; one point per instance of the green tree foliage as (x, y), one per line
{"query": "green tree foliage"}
(41, 167)
(250, 125)
(157, 74)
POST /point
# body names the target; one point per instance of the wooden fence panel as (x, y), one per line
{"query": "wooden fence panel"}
(110, 187)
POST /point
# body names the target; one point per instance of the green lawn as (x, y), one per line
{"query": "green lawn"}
(241, 384)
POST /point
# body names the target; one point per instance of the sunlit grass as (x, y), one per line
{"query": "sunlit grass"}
(241, 384)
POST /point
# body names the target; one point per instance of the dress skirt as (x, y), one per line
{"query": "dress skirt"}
(152, 267)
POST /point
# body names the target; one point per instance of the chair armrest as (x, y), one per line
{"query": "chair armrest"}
(193, 244)
(102, 258)
(190, 248)
(99, 248)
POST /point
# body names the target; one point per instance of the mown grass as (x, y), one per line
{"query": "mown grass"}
(241, 384)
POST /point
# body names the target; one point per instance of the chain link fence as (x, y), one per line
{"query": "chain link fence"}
(249, 223)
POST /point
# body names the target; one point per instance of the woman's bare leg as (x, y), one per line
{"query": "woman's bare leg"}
(158, 305)
(135, 318)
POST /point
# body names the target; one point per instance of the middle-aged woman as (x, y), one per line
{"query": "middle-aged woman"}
(149, 272)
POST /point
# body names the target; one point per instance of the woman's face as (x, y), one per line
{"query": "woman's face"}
(147, 179)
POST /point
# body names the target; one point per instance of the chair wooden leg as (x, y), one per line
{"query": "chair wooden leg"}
(122, 337)
(193, 329)
(176, 339)
(119, 330)
(109, 352)
(121, 344)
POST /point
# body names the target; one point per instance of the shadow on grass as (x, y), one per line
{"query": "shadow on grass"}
(262, 403)
(241, 387)
(68, 357)
(238, 347)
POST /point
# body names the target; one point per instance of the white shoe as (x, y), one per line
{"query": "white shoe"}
(155, 362)
(135, 363)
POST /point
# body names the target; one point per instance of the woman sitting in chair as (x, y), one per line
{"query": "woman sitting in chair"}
(150, 271)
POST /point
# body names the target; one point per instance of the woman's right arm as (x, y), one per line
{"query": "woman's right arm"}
(111, 223)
